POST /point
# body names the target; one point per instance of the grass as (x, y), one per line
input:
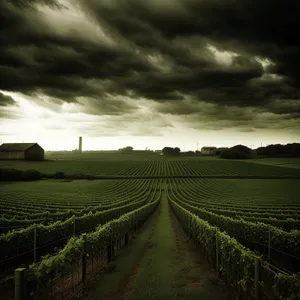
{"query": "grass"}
(158, 269)
(161, 264)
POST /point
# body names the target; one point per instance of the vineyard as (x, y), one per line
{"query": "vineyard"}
(48, 225)
(282, 162)
(149, 165)
(260, 214)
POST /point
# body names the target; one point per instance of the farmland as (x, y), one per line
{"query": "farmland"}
(148, 165)
(62, 218)
(282, 162)
(246, 210)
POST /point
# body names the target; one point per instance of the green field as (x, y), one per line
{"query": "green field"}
(281, 162)
(29, 199)
(148, 165)
(258, 213)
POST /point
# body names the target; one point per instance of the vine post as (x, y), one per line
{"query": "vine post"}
(20, 284)
(269, 244)
(217, 255)
(257, 279)
(34, 242)
(74, 226)
(84, 258)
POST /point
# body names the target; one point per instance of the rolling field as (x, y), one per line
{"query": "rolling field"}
(263, 215)
(149, 165)
(48, 200)
(63, 209)
(281, 162)
(46, 216)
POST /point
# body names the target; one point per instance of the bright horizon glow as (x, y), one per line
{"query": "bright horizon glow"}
(58, 127)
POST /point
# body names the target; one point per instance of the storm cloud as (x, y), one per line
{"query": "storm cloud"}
(213, 64)
(6, 100)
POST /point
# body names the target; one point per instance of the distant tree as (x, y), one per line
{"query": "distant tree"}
(176, 151)
(220, 150)
(292, 149)
(278, 150)
(126, 149)
(31, 175)
(188, 153)
(169, 151)
(237, 152)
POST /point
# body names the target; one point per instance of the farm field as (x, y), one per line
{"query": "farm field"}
(54, 211)
(281, 162)
(48, 200)
(246, 193)
(258, 213)
(91, 167)
(51, 217)
(149, 165)
(162, 264)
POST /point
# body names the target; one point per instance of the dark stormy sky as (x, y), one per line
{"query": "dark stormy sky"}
(149, 73)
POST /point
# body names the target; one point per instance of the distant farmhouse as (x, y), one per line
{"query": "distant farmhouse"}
(208, 150)
(22, 151)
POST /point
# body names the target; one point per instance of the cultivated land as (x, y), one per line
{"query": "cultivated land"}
(282, 162)
(162, 264)
(148, 165)
(262, 215)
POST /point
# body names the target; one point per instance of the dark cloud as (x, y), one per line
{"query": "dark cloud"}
(114, 53)
(107, 105)
(285, 107)
(7, 105)
(6, 100)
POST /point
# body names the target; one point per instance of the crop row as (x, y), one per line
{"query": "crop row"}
(36, 199)
(288, 242)
(155, 166)
(205, 167)
(278, 218)
(235, 262)
(43, 272)
(196, 193)
(48, 218)
(285, 222)
(19, 241)
(246, 195)
(56, 195)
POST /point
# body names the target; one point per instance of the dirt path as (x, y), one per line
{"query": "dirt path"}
(160, 264)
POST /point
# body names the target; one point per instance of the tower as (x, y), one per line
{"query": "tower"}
(80, 144)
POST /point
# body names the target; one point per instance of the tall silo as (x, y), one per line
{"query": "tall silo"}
(80, 144)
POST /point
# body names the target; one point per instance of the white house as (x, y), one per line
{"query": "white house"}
(208, 150)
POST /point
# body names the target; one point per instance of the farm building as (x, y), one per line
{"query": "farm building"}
(24, 151)
(208, 150)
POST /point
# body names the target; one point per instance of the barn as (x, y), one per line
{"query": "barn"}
(22, 151)
(208, 150)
